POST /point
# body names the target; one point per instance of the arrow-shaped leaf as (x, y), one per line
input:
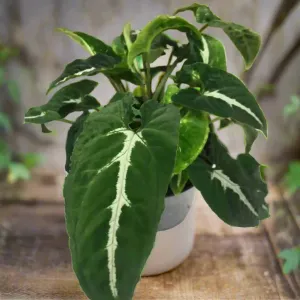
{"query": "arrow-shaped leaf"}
(115, 193)
(221, 94)
(73, 97)
(232, 187)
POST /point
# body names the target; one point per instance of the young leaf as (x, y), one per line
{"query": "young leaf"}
(193, 134)
(178, 182)
(292, 259)
(221, 94)
(99, 63)
(153, 29)
(73, 97)
(232, 187)
(246, 41)
(72, 136)
(115, 195)
(88, 42)
(13, 90)
(171, 90)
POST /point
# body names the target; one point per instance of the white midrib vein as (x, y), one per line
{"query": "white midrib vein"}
(121, 200)
(227, 183)
(232, 102)
(205, 51)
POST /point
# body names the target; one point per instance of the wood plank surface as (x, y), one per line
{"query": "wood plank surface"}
(226, 263)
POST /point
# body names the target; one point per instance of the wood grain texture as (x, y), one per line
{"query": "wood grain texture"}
(226, 263)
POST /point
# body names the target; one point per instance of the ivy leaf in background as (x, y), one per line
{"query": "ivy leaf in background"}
(2, 76)
(4, 122)
(292, 178)
(292, 108)
(246, 41)
(88, 42)
(71, 98)
(292, 259)
(31, 160)
(221, 94)
(193, 134)
(16, 172)
(73, 134)
(111, 236)
(232, 187)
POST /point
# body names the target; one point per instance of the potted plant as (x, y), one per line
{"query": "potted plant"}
(151, 141)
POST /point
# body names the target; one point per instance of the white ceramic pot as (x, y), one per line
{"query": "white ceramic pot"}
(176, 233)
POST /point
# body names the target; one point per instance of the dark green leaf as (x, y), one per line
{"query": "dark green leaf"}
(246, 41)
(72, 136)
(115, 194)
(45, 129)
(221, 94)
(153, 29)
(232, 187)
(193, 134)
(88, 42)
(207, 50)
(178, 182)
(225, 123)
(73, 97)
(99, 63)
(292, 259)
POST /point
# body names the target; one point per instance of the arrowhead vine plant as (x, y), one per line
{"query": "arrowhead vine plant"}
(156, 133)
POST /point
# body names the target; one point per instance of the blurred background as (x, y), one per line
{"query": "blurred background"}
(32, 54)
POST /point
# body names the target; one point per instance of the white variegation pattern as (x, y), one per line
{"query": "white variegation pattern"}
(77, 101)
(205, 51)
(121, 199)
(227, 183)
(80, 73)
(42, 114)
(232, 102)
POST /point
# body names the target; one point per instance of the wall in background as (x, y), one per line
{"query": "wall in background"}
(29, 24)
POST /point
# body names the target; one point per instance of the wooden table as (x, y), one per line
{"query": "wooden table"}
(226, 263)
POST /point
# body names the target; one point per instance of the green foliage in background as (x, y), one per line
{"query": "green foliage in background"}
(15, 168)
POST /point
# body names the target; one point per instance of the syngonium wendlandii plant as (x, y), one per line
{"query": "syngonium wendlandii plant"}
(123, 156)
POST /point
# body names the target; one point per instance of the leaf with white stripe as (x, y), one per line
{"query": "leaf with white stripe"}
(88, 42)
(147, 36)
(207, 49)
(115, 195)
(71, 98)
(246, 40)
(100, 63)
(220, 93)
(232, 187)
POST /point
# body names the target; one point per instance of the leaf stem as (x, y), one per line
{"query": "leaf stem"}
(148, 75)
(114, 84)
(203, 28)
(216, 119)
(66, 121)
(164, 80)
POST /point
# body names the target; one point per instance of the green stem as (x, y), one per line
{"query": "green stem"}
(203, 28)
(148, 75)
(66, 121)
(164, 80)
(216, 119)
(114, 84)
